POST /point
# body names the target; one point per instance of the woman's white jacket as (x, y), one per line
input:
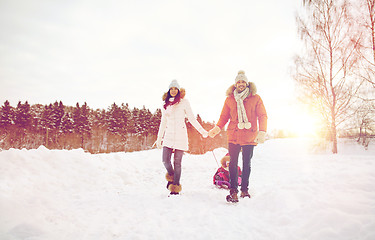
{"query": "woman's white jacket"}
(172, 128)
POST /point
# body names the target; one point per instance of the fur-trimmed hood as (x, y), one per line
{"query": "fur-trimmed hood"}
(182, 94)
(250, 85)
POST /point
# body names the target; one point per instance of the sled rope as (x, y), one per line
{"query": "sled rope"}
(215, 158)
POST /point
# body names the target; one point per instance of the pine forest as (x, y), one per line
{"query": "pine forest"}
(115, 129)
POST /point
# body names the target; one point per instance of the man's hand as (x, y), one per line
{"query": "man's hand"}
(261, 137)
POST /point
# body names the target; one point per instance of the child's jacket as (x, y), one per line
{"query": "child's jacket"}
(222, 180)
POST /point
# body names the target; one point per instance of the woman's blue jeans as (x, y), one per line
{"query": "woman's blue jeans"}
(247, 154)
(176, 169)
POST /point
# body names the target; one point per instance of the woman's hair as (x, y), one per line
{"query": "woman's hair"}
(177, 99)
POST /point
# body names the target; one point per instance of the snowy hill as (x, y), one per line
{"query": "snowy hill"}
(296, 194)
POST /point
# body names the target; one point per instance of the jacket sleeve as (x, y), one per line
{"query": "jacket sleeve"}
(262, 115)
(163, 125)
(190, 116)
(224, 116)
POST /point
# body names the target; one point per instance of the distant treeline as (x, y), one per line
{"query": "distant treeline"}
(115, 129)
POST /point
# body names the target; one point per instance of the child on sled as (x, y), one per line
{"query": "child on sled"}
(221, 177)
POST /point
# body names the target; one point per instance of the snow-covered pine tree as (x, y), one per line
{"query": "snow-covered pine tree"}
(125, 119)
(144, 121)
(22, 125)
(116, 128)
(99, 141)
(155, 122)
(6, 124)
(82, 125)
(6, 116)
(22, 116)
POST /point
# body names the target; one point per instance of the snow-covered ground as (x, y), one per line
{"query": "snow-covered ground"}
(296, 194)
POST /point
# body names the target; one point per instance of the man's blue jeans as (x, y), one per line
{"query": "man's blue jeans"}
(247, 154)
(176, 170)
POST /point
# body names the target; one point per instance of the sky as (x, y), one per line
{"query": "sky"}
(105, 52)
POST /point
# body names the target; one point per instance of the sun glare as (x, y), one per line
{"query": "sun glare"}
(306, 125)
(299, 122)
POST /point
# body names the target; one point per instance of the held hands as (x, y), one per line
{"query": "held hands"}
(214, 131)
(261, 137)
(204, 134)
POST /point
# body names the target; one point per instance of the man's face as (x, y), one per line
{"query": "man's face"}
(241, 85)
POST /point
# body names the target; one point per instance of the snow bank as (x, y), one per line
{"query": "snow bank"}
(60, 194)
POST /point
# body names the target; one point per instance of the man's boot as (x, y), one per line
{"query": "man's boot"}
(245, 194)
(232, 197)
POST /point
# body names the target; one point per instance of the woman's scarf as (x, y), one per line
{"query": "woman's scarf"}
(243, 122)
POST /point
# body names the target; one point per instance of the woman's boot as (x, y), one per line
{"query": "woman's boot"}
(175, 189)
(169, 179)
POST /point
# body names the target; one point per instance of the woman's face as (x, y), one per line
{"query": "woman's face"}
(173, 91)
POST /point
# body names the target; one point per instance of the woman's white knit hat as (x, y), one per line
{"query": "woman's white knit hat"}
(175, 84)
(241, 76)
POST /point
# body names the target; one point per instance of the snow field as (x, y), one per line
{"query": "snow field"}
(296, 194)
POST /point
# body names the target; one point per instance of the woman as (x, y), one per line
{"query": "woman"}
(172, 135)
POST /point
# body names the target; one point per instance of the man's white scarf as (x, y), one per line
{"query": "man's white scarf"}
(243, 122)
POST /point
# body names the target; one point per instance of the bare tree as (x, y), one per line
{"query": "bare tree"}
(370, 4)
(365, 122)
(324, 72)
(365, 18)
(307, 2)
(364, 13)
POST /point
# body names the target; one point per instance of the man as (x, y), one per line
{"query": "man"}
(245, 109)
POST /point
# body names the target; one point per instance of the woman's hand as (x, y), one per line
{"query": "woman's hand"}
(159, 143)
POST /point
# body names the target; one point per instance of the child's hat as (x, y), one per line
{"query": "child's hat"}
(224, 160)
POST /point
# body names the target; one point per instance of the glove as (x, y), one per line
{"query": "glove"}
(214, 131)
(223, 184)
(261, 137)
(158, 143)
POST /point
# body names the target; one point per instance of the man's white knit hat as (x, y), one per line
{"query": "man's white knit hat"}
(241, 76)
(175, 84)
